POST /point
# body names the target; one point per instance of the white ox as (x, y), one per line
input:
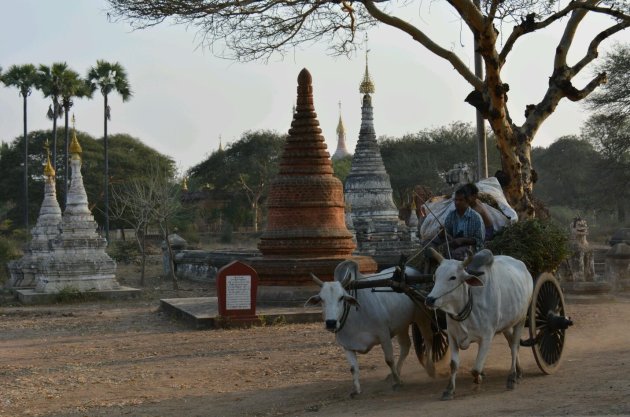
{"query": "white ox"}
(482, 296)
(370, 319)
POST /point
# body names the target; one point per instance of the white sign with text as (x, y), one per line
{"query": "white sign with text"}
(238, 290)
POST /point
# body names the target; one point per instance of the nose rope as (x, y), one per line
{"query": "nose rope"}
(344, 317)
(465, 312)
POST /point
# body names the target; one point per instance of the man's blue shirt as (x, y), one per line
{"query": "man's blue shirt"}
(469, 225)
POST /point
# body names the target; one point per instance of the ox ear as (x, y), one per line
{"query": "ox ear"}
(313, 301)
(474, 281)
(351, 300)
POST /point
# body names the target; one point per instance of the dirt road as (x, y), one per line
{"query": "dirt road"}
(126, 359)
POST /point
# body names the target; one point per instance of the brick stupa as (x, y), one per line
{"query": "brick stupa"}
(306, 230)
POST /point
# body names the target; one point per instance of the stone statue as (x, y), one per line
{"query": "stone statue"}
(580, 263)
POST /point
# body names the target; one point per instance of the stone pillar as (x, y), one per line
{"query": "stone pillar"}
(617, 269)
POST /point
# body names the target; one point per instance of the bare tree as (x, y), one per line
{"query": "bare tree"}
(152, 200)
(166, 194)
(258, 29)
(132, 203)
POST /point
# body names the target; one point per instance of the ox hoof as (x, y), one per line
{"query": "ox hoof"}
(447, 395)
(477, 376)
(511, 382)
(353, 394)
(519, 374)
(397, 387)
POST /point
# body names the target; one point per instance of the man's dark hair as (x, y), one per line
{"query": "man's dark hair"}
(470, 189)
(461, 191)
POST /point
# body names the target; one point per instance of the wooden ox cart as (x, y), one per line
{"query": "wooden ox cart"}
(546, 319)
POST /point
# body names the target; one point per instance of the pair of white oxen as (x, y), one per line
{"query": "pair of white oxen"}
(482, 296)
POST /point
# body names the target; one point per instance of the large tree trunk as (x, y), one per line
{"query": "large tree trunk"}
(516, 163)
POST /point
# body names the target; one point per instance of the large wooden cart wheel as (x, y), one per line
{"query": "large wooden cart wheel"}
(547, 322)
(431, 345)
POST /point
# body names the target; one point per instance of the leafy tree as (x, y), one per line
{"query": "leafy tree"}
(418, 159)
(560, 183)
(341, 167)
(610, 136)
(24, 78)
(614, 97)
(129, 156)
(253, 30)
(108, 77)
(49, 81)
(244, 170)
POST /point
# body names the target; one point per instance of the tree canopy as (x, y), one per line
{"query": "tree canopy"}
(240, 175)
(419, 158)
(128, 158)
(258, 29)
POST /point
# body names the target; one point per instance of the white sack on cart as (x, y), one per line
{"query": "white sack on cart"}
(440, 209)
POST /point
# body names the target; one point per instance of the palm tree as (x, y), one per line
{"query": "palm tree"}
(49, 82)
(108, 77)
(72, 86)
(24, 78)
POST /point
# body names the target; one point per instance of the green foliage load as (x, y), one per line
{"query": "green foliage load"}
(541, 244)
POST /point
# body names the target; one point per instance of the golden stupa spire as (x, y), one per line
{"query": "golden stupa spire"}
(185, 184)
(367, 86)
(75, 148)
(220, 144)
(341, 130)
(49, 171)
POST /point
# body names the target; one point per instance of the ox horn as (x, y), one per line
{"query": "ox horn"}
(468, 260)
(346, 278)
(436, 255)
(317, 280)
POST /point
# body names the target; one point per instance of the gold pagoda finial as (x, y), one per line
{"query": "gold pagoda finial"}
(49, 171)
(341, 130)
(367, 86)
(220, 144)
(185, 184)
(75, 148)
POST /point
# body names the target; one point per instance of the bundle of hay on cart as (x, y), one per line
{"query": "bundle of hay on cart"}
(540, 244)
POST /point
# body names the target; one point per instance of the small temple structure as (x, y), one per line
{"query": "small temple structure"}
(342, 150)
(23, 271)
(77, 260)
(368, 191)
(306, 229)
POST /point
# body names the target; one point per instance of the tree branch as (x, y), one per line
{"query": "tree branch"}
(529, 25)
(425, 41)
(568, 35)
(592, 51)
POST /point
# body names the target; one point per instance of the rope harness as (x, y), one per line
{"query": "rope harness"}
(346, 311)
(465, 312)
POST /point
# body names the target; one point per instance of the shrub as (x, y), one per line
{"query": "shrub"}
(226, 233)
(124, 251)
(541, 244)
(8, 251)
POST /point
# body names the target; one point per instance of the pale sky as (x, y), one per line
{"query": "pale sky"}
(185, 98)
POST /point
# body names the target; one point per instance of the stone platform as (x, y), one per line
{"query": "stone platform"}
(31, 296)
(203, 313)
